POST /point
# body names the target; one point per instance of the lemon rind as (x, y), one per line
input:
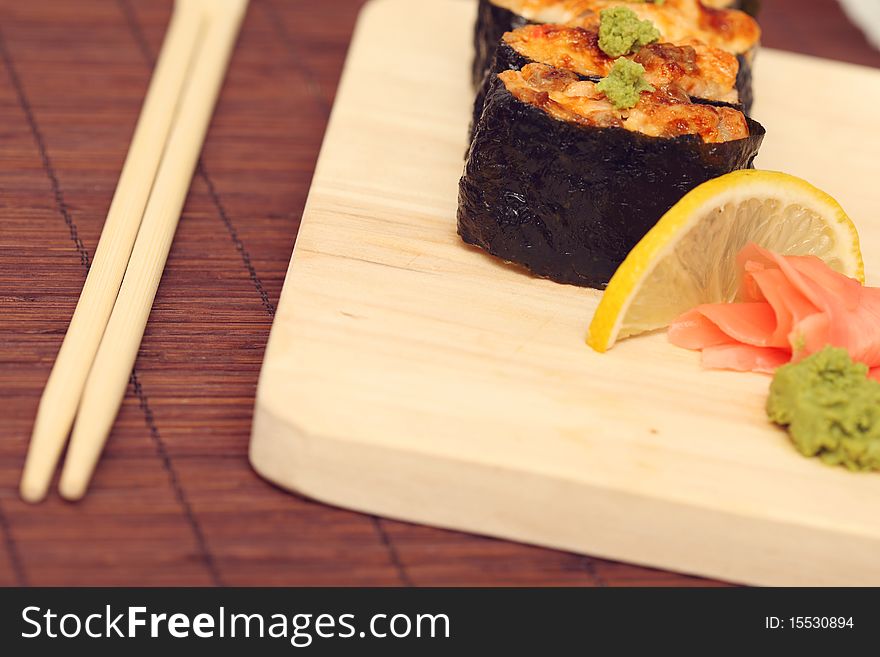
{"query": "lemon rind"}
(680, 219)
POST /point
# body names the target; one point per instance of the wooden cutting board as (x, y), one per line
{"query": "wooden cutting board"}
(410, 376)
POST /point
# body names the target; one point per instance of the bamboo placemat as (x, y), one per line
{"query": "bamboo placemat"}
(174, 500)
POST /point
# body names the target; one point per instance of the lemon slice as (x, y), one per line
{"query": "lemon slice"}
(689, 257)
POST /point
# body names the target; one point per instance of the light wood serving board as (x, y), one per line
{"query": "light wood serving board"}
(413, 377)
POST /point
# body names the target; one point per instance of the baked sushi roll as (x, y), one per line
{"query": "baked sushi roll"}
(564, 179)
(678, 21)
(700, 71)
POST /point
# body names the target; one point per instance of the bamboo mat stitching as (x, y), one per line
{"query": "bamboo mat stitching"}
(274, 18)
(141, 39)
(44, 154)
(590, 567)
(233, 234)
(12, 550)
(205, 554)
(135, 28)
(392, 552)
(179, 492)
(314, 90)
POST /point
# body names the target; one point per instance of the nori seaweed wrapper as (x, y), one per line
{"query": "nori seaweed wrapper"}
(505, 59)
(744, 80)
(569, 202)
(492, 22)
(751, 7)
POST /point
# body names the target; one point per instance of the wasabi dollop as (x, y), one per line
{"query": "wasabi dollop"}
(831, 409)
(621, 32)
(624, 84)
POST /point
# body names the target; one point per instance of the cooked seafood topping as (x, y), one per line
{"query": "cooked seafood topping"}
(701, 71)
(663, 112)
(677, 20)
(572, 48)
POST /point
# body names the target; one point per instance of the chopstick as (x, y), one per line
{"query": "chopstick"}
(108, 378)
(64, 387)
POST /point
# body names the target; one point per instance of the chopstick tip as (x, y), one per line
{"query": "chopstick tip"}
(32, 492)
(72, 489)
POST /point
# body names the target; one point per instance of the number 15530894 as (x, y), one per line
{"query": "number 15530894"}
(808, 622)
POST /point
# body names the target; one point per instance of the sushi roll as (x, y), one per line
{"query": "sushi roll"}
(495, 17)
(700, 71)
(678, 21)
(563, 181)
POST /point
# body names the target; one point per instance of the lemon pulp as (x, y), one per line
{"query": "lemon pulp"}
(689, 257)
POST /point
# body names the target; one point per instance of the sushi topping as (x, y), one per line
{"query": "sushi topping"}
(676, 20)
(788, 308)
(700, 71)
(665, 113)
(622, 33)
(682, 20)
(831, 409)
(625, 84)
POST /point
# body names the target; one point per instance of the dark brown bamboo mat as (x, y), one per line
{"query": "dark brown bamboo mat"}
(174, 500)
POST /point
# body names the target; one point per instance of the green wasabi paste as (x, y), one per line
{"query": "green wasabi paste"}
(621, 32)
(624, 84)
(831, 409)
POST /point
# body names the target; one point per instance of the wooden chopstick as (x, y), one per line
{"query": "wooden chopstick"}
(109, 375)
(64, 388)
